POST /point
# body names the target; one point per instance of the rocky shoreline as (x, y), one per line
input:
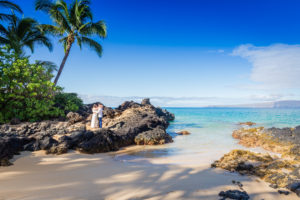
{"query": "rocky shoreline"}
(130, 123)
(281, 170)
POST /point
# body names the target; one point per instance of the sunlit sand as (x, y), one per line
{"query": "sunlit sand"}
(106, 176)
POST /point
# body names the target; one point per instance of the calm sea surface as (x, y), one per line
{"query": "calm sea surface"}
(211, 130)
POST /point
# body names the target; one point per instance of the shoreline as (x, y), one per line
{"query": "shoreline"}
(100, 176)
(179, 170)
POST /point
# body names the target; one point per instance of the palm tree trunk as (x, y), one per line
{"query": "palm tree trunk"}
(61, 67)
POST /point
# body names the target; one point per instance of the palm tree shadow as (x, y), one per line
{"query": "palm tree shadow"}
(99, 176)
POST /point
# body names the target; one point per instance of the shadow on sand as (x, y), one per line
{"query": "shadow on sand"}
(99, 176)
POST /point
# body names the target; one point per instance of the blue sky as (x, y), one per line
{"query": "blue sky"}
(207, 51)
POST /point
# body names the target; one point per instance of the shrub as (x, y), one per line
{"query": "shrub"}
(27, 92)
(67, 102)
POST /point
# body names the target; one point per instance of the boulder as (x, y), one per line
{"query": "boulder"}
(73, 117)
(146, 101)
(234, 194)
(127, 105)
(294, 187)
(247, 123)
(108, 112)
(183, 133)
(47, 142)
(59, 149)
(10, 146)
(165, 114)
(153, 137)
(15, 121)
(100, 141)
(283, 192)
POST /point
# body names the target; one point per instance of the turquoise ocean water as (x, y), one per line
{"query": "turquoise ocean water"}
(211, 130)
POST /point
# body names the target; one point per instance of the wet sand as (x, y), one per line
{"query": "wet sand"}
(109, 176)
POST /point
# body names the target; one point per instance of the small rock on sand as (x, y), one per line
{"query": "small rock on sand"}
(183, 133)
(247, 123)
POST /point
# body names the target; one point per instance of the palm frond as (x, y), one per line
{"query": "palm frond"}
(5, 17)
(98, 28)
(64, 41)
(43, 5)
(4, 41)
(92, 44)
(51, 29)
(59, 18)
(24, 26)
(22, 33)
(62, 5)
(84, 11)
(30, 45)
(79, 42)
(44, 41)
(10, 5)
(48, 65)
(3, 30)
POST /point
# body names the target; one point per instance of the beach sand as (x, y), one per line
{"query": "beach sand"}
(106, 176)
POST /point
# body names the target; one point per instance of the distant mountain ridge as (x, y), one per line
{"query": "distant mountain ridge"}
(275, 104)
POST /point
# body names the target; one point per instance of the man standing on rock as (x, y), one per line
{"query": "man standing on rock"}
(100, 114)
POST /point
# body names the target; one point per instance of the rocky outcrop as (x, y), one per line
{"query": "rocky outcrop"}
(277, 171)
(282, 171)
(285, 141)
(130, 123)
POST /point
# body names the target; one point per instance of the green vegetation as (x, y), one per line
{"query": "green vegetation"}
(73, 22)
(27, 90)
(67, 102)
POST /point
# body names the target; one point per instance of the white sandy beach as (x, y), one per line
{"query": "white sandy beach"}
(105, 176)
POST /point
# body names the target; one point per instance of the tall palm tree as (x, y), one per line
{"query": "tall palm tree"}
(10, 5)
(72, 22)
(24, 32)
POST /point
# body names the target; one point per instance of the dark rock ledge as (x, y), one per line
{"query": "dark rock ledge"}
(131, 123)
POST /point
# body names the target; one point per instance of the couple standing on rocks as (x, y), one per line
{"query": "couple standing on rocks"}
(97, 111)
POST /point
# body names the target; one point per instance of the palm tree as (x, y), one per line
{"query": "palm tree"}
(10, 5)
(20, 33)
(72, 22)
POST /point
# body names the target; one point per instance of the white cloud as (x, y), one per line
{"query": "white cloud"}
(270, 97)
(273, 67)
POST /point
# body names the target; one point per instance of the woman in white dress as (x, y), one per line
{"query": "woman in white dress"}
(94, 116)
